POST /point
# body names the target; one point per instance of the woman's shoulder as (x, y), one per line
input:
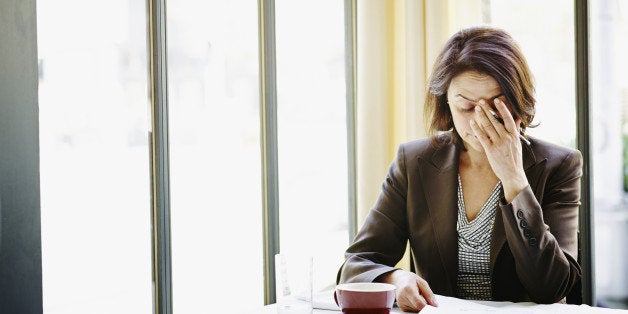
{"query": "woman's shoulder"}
(554, 153)
(426, 147)
(543, 148)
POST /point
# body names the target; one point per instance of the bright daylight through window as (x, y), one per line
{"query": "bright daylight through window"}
(94, 157)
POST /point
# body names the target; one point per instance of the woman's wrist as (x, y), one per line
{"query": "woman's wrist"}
(389, 277)
(513, 186)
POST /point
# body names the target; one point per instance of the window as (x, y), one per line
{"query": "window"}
(215, 154)
(95, 193)
(312, 133)
(609, 133)
(94, 124)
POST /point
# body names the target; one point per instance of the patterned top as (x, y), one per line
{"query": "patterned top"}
(474, 244)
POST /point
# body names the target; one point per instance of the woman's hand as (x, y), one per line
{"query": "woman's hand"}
(413, 292)
(501, 145)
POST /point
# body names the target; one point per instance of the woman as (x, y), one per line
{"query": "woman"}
(488, 214)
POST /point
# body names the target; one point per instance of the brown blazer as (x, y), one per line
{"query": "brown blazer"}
(534, 240)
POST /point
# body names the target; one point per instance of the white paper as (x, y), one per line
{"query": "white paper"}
(325, 301)
(455, 305)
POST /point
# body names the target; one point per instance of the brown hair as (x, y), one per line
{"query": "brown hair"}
(488, 51)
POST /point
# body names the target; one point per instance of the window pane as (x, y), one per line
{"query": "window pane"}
(93, 106)
(215, 154)
(609, 105)
(549, 50)
(312, 133)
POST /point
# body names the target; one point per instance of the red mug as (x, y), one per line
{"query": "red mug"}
(365, 297)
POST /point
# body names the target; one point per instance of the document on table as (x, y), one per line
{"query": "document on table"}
(455, 305)
(325, 301)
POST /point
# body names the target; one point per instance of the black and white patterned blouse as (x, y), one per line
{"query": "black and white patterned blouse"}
(474, 243)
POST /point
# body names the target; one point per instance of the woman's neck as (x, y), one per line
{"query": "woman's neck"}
(474, 159)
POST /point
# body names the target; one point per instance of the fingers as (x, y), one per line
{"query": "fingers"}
(479, 133)
(509, 123)
(490, 127)
(427, 293)
(414, 296)
(485, 119)
(411, 303)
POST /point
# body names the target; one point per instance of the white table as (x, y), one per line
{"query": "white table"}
(455, 305)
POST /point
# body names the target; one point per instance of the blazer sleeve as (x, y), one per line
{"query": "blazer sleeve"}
(381, 242)
(543, 237)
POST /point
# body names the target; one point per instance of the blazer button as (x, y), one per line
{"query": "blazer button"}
(520, 214)
(526, 232)
(533, 241)
(523, 223)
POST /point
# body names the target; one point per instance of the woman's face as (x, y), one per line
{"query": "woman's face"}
(463, 94)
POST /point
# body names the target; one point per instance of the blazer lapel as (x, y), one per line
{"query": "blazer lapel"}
(532, 169)
(439, 176)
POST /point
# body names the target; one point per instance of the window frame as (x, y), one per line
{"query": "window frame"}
(159, 158)
(583, 140)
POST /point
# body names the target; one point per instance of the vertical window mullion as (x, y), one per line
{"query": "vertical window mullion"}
(160, 171)
(351, 78)
(268, 125)
(581, 9)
